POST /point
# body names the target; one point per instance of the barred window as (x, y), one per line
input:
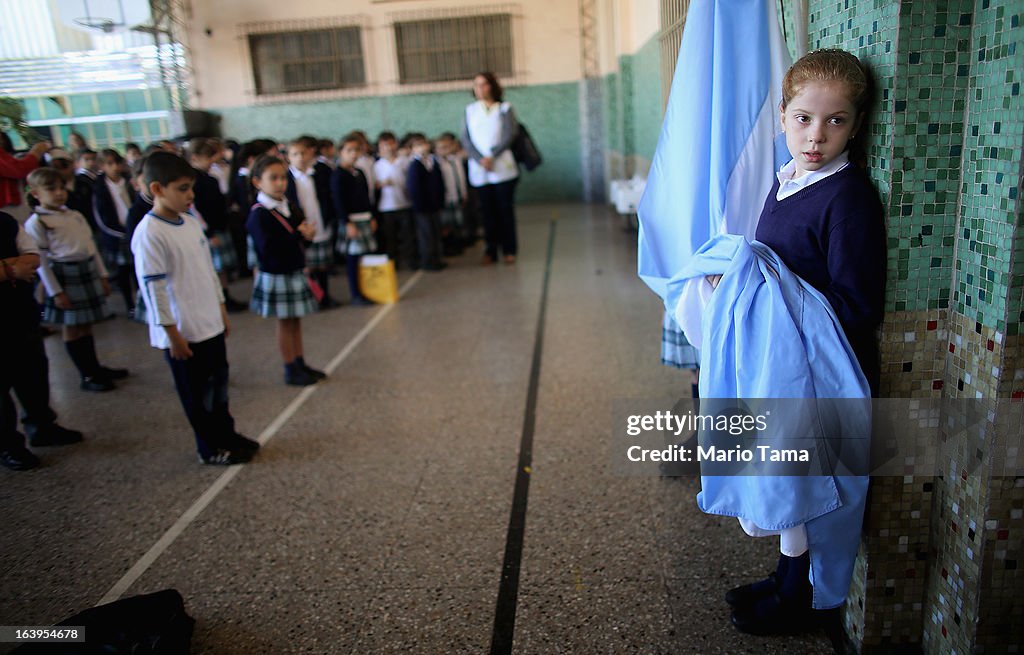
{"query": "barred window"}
(453, 49)
(673, 19)
(290, 62)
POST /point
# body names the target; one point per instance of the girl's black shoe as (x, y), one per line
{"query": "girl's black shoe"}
(749, 594)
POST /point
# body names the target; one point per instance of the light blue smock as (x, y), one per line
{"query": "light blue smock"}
(766, 333)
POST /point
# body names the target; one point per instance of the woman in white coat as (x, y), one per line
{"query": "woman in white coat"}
(488, 134)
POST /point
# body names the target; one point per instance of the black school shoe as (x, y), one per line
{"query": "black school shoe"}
(297, 376)
(242, 443)
(53, 435)
(748, 594)
(18, 458)
(776, 615)
(97, 383)
(111, 373)
(319, 375)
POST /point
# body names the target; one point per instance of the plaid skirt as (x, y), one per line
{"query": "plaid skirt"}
(251, 260)
(141, 314)
(675, 349)
(319, 255)
(224, 257)
(282, 295)
(364, 242)
(115, 254)
(82, 285)
(451, 216)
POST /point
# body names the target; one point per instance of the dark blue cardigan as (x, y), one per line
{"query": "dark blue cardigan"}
(832, 234)
(426, 188)
(277, 250)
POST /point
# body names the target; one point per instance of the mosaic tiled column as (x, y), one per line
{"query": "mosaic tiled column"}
(975, 596)
(937, 564)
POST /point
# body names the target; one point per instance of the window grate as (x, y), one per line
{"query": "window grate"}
(309, 60)
(453, 49)
(673, 19)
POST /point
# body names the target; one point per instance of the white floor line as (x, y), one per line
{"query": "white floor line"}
(211, 493)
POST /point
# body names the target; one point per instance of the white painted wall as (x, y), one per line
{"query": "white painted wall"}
(625, 27)
(545, 37)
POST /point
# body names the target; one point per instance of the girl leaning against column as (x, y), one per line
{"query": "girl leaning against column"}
(488, 134)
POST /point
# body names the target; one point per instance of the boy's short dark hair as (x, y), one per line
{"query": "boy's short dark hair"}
(448, 136)
(165, 167)
(82, 152)
(386, 136)
(305, 141)
(44, 177)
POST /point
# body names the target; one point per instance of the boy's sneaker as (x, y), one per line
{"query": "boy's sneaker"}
(243, 443)
(96, 383)
(53, 435)
(112, 373)
(224, 457)
(18, 458)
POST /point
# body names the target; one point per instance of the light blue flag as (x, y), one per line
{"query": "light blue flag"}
(717, 151)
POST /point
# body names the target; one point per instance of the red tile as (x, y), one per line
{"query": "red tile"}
(1003, 535)
(991, 345)
(952, 348)
(936, 384)
(932, 325)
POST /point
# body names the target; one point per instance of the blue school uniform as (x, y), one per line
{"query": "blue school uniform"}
(280, 289)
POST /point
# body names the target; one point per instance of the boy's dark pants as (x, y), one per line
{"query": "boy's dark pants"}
(25, 369)
(497, 203)
(428, 237)
(398, 237)
(202, 384)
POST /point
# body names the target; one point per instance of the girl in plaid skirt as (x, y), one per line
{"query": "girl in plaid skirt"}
(309, 188)
(211, 208)
(351, 195)
(73, 274)
(112, 198)
(281, 289)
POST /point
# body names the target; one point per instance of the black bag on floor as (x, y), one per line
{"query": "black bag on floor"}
(153, 624)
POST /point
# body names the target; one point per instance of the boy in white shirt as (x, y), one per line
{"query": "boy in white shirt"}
(397, 234)
(185, 306)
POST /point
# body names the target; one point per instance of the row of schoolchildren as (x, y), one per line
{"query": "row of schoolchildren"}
(288, 235)
(182, 293)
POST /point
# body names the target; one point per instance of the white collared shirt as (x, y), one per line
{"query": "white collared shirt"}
(62, 236)
(454, 180)
(305, 190)
(365, 163)
(280, 205)
(122, 200)
(393, 174)
(788, 186)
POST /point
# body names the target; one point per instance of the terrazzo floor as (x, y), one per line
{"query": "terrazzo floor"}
(374, 519)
